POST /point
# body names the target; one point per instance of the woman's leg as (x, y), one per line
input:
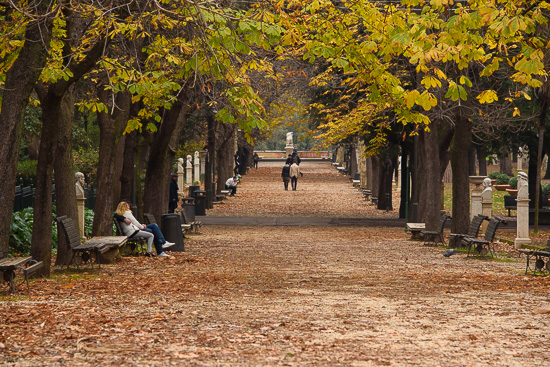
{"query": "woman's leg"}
(150, 237)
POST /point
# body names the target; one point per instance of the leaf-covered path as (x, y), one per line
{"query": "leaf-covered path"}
(285, 295)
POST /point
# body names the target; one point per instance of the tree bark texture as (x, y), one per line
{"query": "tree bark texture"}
(224, 154)
(65, 195)
(429, 179)
(20, 81)
(161, 160)
(111, 128)
(460, 146)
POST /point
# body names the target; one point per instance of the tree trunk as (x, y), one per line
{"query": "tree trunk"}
(127, 176)
(65, 196)
(19, 83)
(375, 176)
(110, 131)
(224, 154)
(460, 146)
(159, 166)
(405, 189)
(506, 164)
(429, 201)
(481, 160)
(41, 245)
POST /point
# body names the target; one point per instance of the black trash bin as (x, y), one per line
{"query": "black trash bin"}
(188, 205)
(200, 202)
(171, 229)
(192, 189)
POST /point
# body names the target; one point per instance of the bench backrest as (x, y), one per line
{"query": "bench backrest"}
(491, 230)
(149, 218)
(442, 221)
(119, 231)
(475, 225)
(70, 230)
(183, 217)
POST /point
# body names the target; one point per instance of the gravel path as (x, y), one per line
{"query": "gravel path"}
(285, 295)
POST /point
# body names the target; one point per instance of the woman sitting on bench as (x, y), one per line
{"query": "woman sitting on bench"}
(131, 227)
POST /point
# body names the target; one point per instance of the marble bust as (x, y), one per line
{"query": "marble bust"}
(79, 184)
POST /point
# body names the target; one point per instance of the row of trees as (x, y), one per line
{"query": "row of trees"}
(388, 73)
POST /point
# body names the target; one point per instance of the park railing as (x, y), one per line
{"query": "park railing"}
(24, 196)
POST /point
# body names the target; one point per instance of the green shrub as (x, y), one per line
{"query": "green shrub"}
(27, 169)
(546, 189)
(494, 175)
(502, 179)
(21, 232)
(513, 183)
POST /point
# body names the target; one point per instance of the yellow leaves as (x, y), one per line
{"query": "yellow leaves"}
(516, 112)
(487, 96)
(431, 82)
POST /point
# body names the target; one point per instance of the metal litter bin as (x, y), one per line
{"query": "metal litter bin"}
(192, 189)
(200, 202)
(188, 205)
(171, 229)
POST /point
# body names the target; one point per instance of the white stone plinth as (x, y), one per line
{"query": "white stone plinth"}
(522, 223)
(476, 206)
(80, 201)
(486, 209)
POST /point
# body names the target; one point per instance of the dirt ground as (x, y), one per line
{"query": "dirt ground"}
(291, 296)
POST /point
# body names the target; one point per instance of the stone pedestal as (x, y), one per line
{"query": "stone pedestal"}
(486, 209)
(522, 223)
(288, 150)
(180, 176)
(196, 166)
(80, 201)
(475, 198)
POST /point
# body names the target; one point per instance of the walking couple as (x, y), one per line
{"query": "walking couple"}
(291, 173)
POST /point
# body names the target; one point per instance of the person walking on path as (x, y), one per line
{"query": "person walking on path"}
(255, 159)
(294, 173)
(173, 193)
(286, 175)
(237, 168)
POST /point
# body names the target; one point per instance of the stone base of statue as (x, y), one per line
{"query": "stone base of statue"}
(487, 209)
(289, 150)
(476, 206)
(80, 201)
(522, 223)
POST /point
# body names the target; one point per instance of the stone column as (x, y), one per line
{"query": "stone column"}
(399, 175)
(475, 198)
(180, 176)
(362, 163)
(80, 200)
(196, 166)
(522, 212)
(189, 171)
(486, 203)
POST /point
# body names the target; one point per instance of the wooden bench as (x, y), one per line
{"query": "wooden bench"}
(432, 238)
(416, 230)
(367, 194)
(485, 245)
(82, 252)
(356, 183)
(456, 238)
(9, 266)
(541, 264)
(193, 225)
(510, 203)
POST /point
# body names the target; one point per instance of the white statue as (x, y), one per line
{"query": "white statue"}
(486, 194)
(289, 142)
(523, 185)
(197, 160)
(180, 165)
(79, 184)
(189, 161)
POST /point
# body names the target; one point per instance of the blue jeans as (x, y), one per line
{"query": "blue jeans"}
(159, 238)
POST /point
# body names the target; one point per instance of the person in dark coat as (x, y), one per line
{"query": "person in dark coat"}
(173, 193)
(285, 174)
